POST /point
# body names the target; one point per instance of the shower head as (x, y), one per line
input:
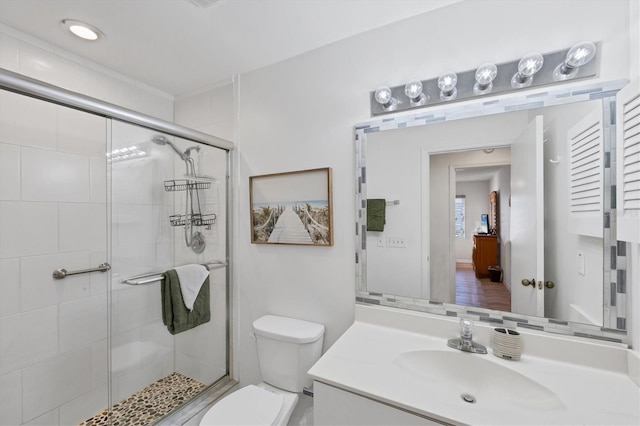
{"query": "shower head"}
(162, 140)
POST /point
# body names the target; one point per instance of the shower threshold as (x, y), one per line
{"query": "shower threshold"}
(149, 405)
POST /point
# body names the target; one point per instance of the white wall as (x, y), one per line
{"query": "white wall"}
(501, 182)
(476, 203)
(53, 351)
(300, 113)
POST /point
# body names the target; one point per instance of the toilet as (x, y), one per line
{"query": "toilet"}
(287, 348)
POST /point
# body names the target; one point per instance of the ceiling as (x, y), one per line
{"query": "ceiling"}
(182, 46)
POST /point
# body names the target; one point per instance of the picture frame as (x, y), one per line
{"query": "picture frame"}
(292, 208)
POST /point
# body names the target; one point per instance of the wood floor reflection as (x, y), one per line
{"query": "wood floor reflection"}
(482, 293)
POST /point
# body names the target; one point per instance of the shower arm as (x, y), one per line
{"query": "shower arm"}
(181, 154)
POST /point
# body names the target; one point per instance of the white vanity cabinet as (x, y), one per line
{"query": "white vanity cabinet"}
(334, 406)
(393, 367)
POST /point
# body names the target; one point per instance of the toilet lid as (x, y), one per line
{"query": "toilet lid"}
(250, 405)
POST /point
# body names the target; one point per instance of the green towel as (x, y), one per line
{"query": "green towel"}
(376, 208)
(175, 314)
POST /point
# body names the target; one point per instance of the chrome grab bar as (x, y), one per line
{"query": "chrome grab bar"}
(158, 276)
(59, 274)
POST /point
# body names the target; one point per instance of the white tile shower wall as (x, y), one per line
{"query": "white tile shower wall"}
(51, 383)
(10, 273)
(22, 223)
(9, 172)
(11, 398)
(38, 287)
(53, 347)
(47, 419)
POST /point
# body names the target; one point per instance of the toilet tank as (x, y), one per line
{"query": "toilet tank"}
(287, 348)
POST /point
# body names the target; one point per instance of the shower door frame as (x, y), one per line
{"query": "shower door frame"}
(27, 86)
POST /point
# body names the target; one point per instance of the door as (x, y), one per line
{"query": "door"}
(628, 163)
(53, 215)
(527, 221)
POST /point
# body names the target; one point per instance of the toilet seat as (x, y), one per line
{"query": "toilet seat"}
(251, 405)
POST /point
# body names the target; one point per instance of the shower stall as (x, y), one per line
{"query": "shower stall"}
(96, 202)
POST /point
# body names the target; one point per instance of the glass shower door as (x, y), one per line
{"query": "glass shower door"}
(53, 215)
(167, 210)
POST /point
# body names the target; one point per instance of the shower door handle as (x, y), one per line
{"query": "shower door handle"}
(61, 273)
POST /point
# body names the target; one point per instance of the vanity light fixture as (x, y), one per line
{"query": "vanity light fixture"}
(385, 98)
(527, 67)
(447, 85)
(413, 90)
(579, 55)
(485, 75)
(534, 70)
(82, 30)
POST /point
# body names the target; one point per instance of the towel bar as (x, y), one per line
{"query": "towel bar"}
(157, 276)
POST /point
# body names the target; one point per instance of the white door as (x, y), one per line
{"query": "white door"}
(628, 162)
(527, 221)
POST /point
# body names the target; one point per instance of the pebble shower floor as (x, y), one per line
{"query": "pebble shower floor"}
(150, 404)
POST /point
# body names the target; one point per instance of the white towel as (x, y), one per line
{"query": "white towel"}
(191, 279)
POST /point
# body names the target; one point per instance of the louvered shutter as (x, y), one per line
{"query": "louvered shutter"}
(628, 163)
(586, 169)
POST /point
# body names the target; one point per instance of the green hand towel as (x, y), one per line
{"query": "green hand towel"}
(376, 210)
(175, 314)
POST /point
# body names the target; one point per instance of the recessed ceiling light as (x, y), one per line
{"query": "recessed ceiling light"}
(82, 30)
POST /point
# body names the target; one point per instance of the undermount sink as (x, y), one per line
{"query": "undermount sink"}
(474, 378)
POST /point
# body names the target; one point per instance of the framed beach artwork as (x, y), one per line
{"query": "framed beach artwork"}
(292, 208)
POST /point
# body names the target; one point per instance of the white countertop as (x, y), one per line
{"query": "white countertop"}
(365, 361)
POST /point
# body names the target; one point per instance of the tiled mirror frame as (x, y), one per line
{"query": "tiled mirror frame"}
(614, 274)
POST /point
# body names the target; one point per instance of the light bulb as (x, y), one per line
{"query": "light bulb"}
(447, 85)
(383, 96)
(580, 54)
(485, 75)
(527, 67)
(413, 90)
(530, 64)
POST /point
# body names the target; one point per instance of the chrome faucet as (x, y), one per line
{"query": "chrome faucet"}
(465, 342)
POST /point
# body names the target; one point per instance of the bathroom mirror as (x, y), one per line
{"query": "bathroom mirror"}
(434, 173)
